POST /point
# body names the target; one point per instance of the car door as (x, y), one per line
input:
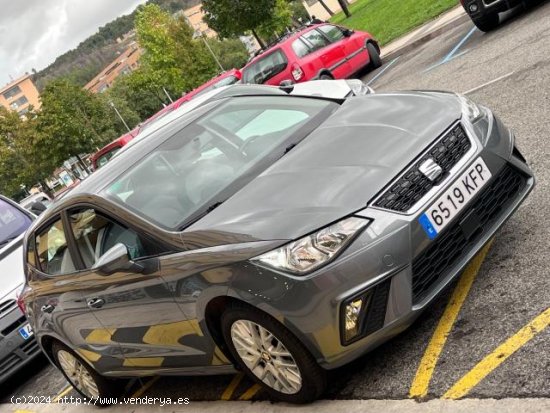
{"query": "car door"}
(59, 306)
(331, 54)
(135, 307)
(352, 46)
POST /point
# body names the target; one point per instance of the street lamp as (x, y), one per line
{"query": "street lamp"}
(119, 115)
(201, 35)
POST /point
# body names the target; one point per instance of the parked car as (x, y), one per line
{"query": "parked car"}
(321, 51)
(281, 234)
(36, 203)
(104, 155)
(17, 343)
(485, 13)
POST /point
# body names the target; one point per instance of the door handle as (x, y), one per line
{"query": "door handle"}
(47, 308)
(96, 302)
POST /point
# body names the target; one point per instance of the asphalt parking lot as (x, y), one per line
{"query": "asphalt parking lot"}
(509, 71)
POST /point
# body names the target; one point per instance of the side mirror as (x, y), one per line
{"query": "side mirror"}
(37, 208)
(347, 32)
(116, 259)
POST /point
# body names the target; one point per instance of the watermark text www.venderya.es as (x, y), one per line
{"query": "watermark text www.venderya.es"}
(160, 401)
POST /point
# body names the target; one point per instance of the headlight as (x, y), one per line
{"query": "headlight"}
(359, 88)
(470, 110)
(313, 251)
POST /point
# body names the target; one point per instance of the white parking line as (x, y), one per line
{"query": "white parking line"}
(390, 64)
(498, 79)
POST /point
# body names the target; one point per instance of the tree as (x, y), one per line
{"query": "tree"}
(19, 164)
(280, 20)
(236, 17)
(71, 121)
(329, 11)
(231, 53)
(345, 8)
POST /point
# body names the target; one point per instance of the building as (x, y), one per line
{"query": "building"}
(194, 16)
(126, 63)
(19, 95)
(314, 8)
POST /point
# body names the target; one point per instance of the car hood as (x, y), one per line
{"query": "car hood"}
(11, 269)
(335, 171)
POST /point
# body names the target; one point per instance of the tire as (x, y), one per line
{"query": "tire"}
(104, 388)
(308, 379)
(487, 23)
(375, 60)
(326, 76)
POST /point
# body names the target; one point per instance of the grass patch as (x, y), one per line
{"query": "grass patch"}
(387, 20)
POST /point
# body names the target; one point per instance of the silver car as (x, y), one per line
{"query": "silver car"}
(279, 234)
(17, 344)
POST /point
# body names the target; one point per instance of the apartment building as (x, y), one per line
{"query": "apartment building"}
(19, 95)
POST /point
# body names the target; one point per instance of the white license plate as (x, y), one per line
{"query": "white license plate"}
(26, 331)
(454, 199)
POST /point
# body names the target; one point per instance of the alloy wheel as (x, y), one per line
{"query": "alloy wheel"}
(77, 374)
(266, 356)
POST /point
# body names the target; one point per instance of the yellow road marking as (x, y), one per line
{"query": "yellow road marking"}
(228, 392)
(247, 395)
(23, 411)
(145, 387)
(421, 381)
(169, 334)
(100, 336)
(143, 361)
(498, 356)
(91, 356)
(63, 393)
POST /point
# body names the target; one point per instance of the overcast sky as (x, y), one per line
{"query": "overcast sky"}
(34, 32)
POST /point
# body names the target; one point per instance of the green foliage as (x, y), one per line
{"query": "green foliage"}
(231, 53)
(298, 11)
(281, 18)
(19, 164)
(386, 20)
(236, 17)
(72, 121)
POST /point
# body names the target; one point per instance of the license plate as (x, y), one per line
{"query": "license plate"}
(26, 331)
(455, 199)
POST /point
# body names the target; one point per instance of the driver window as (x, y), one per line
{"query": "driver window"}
(95, 234)
(54, 257)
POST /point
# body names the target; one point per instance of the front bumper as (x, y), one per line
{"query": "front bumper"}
(485, 7)
(389, 258)
(15, 351)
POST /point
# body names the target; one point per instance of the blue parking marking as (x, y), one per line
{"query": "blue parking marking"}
(453, 53)
(428, 227)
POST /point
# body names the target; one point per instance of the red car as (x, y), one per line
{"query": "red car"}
(103, 156)
(320, 51)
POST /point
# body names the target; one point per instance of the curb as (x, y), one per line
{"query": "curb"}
(425, 38)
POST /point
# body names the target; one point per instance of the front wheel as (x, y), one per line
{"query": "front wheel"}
(487, 23)
(272, 356)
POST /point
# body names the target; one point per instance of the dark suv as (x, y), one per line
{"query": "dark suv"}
(484, 13)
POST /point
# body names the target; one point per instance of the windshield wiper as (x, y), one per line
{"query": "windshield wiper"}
(6, 241)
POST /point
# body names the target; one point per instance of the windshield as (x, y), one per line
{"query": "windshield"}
(13, 222)
(182, 177)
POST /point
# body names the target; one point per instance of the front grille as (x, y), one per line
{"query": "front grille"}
(27, 349)
(17, 323)
(413, 185)
(7, 306)
(432, 264)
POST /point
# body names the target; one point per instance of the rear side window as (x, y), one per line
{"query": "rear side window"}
(333, 33)
(315, 40)
(95, 234)
(300, 48)
(54, 257)
(265, 68)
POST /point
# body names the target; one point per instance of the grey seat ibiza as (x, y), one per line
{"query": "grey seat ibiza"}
(273, 233)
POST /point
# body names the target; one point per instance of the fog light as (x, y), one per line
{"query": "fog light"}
(473, 7)
(353, 312)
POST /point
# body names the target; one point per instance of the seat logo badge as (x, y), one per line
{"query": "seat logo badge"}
(431, 170)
